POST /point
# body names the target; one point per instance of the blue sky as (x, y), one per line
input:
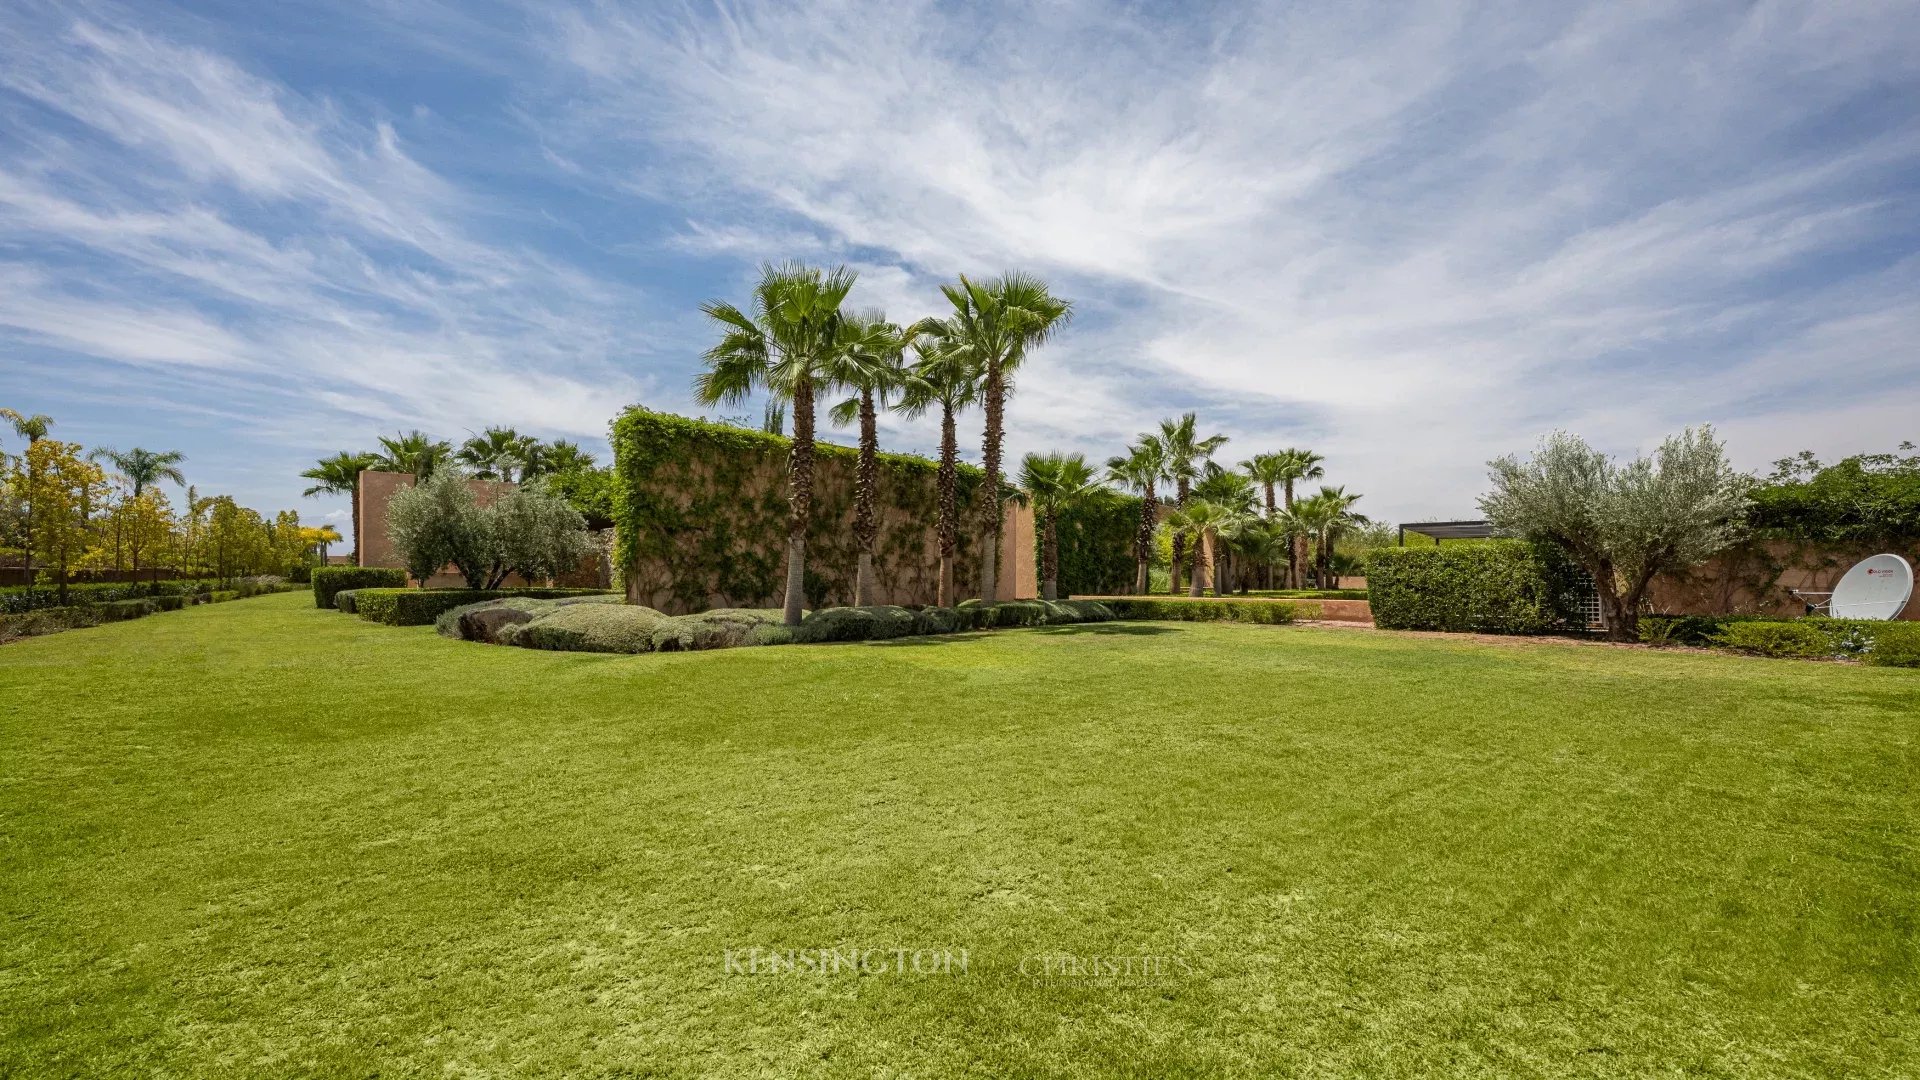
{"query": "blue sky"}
(1411, 236)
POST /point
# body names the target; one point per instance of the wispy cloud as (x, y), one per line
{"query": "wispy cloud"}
(1413, 236)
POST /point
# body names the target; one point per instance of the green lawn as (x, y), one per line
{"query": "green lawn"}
(256, 839)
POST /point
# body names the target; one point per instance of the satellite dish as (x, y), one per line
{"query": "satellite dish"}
(1875, 588)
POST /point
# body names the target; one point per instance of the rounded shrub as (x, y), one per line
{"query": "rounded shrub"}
(606, 628)
(721, 628)
(855, 624)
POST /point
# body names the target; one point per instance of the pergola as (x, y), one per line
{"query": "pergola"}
(1447, 530)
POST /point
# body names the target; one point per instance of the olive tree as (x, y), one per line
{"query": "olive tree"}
(529, 531)
(439, 521)
(1627, 523)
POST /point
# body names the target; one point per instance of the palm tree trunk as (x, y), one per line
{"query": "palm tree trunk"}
(1293, 546)
(799, 499)
(947, 527)
(1143, 542)
(864, 528)
(1193, 589)
(990, 506)
(1050, 555)
(1179, 548)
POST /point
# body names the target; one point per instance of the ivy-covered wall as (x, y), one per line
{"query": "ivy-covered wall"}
(1096, 545)
(701, 510)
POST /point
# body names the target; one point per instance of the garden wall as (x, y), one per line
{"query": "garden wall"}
(702, 510)
(1753, 579)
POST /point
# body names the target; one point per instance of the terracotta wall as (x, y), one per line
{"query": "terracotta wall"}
(376, 549)
(1753, 579)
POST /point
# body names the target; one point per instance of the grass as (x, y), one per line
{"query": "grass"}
(261, 839)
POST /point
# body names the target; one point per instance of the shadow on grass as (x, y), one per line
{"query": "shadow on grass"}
(1127, 629)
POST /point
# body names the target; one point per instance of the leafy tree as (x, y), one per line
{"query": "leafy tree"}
(787, 345)
(1186, 452)
(536, 534)
(1624, 523)
(1864, 499)
(869, 364)
(145, 468)
(1054, 483)
(146, 528)
(340, 475)
(31, 428)
(438, 521)
(235, 540)
(61, 486)
(943, 373)
(1141, 470)
(1000, 321)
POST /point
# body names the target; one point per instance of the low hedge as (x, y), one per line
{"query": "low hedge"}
(1497, 587)
(1883, 644)
(19, 599)
(1270, 612)
(420, 607)
(328, 580)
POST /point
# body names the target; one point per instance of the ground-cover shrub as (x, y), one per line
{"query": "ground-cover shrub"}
(603, 628)
(420, 607)
(877, 623)
(328, 580)
(722, 628)
(1766, 638)
(484, 619)
(1248, 611)
(1697, 631)
(1309, 594)
(52, 620)
(1497, 587)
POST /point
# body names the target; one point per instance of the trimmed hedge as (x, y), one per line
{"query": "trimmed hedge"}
(420, 607)
(1496, 587)
(1883, 644)
(1268, 612)
(19, 599)
(328, 580)
(53, 620)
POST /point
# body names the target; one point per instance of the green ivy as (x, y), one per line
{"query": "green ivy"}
(1096, 544)
(701, 510)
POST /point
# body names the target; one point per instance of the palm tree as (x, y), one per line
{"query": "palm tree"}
(145, 468)
(1000, 321)
(33, 429)
(1197, 521)
(944, 374)
(787, 345)
(1186, 452)
(1053, 483)
(413, 452)
(868, 364)
(319, 538)
(496, 452)
(339, 475)
(1323, 517)
(1141, 469)
(554, 458)
(1261, 542)
(1297, 464)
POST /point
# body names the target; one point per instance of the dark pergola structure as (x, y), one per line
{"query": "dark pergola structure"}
(1447, 530)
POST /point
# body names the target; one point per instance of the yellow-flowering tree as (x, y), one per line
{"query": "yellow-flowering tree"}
(62, 487)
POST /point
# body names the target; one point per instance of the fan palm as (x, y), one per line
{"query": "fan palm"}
(1261, 542)
(497, 452)
(1297, 464)
(1000, 321)
(1186, 451)
(145, 468)
(339, 475)
(943, 373)
(1323, 517)
(1141, 470)
(554, 458)
(319, 538)
(869, 365)
(412, 452)
(1054, 483)
(1199, 522)
(787, 345)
